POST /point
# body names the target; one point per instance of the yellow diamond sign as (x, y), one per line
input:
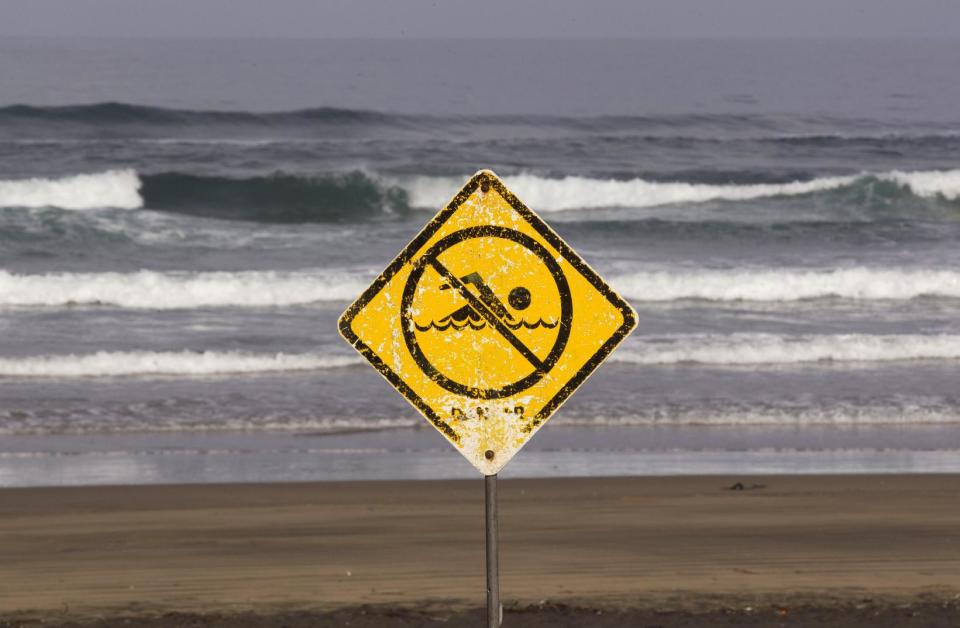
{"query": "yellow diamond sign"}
(487, 322)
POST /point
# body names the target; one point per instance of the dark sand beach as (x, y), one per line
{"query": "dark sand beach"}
(784, 551)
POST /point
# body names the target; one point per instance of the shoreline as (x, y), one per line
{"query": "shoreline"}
(418, 453)
(662, 543)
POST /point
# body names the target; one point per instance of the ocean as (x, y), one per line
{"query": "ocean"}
(182, 223)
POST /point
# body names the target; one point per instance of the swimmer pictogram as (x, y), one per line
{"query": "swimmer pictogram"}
(483, 309)
(467, 317)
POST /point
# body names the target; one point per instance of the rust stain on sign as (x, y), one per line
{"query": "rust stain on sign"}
(487, 322)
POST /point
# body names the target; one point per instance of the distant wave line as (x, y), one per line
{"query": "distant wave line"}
(131, 120)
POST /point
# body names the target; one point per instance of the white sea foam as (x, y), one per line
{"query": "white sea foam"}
(574, 192)
(181, 290)
(183, 363)
(171, 290)
(945, 183)
(762, 349)
(789, 284)
(709, 349)
(114, 188)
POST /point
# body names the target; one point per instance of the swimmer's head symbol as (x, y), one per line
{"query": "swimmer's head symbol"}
(519, 298)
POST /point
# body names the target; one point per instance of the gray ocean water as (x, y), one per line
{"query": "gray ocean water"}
(182, 222)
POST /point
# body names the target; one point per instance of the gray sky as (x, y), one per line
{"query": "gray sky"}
(476, 19)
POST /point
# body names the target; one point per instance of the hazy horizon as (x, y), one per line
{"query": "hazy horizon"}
(460, 19)
(401, 38)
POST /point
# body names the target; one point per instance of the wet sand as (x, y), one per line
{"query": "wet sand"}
(585, 551)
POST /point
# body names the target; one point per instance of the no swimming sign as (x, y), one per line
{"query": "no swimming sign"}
(487, 322)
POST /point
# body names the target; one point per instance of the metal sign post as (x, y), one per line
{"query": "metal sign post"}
(487, 322)
(494, 609)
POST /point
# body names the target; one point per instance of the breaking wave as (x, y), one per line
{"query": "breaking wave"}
(574, 192)
(114, 188)
(356, 195)
(277, 198)
(771, 349)
(789, 284)
(185, 363)
(171, 290)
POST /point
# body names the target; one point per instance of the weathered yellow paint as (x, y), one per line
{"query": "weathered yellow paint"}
(487, 321)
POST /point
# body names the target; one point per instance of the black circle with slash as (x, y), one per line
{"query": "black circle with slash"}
(518, 297)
